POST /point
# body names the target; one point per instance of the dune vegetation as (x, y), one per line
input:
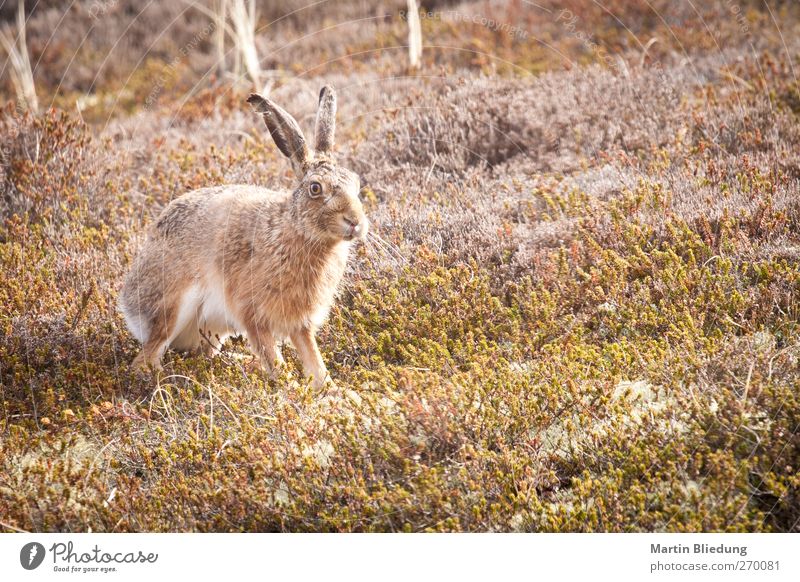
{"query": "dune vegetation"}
(577, 310)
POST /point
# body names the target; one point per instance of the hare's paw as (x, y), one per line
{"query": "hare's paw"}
(143, 366)
(325, 385)
(253, 365)
(274, 372)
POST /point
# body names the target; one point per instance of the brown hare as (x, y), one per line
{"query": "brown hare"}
(243, 259)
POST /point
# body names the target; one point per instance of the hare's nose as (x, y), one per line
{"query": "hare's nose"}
(354, 226)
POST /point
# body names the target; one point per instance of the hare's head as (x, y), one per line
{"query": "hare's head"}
(325, 200)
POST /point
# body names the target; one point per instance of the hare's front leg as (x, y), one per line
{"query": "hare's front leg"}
(306, 345)
(265, 347)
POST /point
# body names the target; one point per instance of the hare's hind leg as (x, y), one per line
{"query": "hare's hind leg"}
(156, 344)
(172, 321)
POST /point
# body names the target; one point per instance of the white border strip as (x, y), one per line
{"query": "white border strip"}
(440, 557)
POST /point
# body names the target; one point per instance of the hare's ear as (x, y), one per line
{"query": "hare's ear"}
(284, 130)
(326, 120)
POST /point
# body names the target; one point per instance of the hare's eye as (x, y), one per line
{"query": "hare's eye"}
(315, 189)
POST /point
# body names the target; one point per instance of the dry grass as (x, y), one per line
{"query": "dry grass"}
(16, 49)
(578, 311)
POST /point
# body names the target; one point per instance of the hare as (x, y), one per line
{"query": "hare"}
(244, 259)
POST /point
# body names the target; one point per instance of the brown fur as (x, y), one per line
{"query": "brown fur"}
(243, 259)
